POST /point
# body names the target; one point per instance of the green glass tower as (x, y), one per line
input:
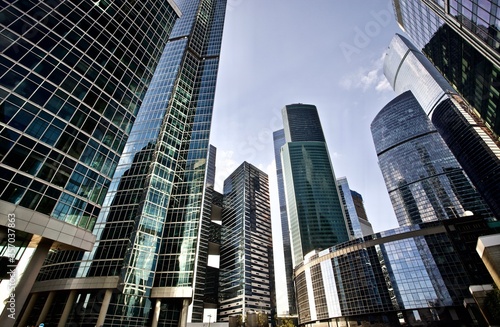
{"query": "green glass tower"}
(315, 211)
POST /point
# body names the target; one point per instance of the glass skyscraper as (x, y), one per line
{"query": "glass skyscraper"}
(461, 38)
(424, 180)
(144, 266)
(415, 275)
(246, 253)
(279, 141)
(73, 75)
(407, 68)
(354, 209)
(315, 211)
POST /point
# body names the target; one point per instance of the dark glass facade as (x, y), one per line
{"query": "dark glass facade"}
(279, 141)
(152, 233)
(411, 276)
(424, 180)
(302, 123)
(407, 69)
(202, 290)
(462, 39)
(73, 76)
(315, 211)
(470, 73)
(246, 252)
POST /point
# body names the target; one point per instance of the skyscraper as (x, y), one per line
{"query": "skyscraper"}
(461, 38)
(471, 143)
(415, 275)
(73, 76)
(246, 253)
(279, 141)
(315, 212)
(144, 265)
(359, 206)
(424, 180)
(201, 279)
(354, 209)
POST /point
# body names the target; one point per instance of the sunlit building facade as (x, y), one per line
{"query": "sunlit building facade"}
(359, 207)
(314, 208)
(407, 69)
(246, 281)
(416, 275)
(461, 38)
(73, 75)
(424, 180)
(151, 232)
(354, 210)
(279, 141)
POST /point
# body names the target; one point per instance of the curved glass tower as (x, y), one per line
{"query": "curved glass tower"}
(73, 75)
(461, 39)
(424, 180)
(471, 143)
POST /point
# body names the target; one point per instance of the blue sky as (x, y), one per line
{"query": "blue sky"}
(322, 52)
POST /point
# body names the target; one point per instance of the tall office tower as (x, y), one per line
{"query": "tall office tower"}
(279, 141)
(73, 75)
(144, 265)
(315, 212)
(462, 40)
(359, 206)
(424, 180)
(246, 253)
(357, 221)
(406, 68)
(211, 282)
(205, 247)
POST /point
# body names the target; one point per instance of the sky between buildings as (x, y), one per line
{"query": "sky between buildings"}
(322, 52)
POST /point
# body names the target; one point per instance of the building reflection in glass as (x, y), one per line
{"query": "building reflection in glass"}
(424, 180)
(412, 275)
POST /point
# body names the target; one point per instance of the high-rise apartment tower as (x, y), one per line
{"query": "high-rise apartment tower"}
(246, 281)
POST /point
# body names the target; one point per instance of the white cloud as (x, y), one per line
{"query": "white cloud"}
(335, 155)
(383, 85)
(224, 166)
(366, 78)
